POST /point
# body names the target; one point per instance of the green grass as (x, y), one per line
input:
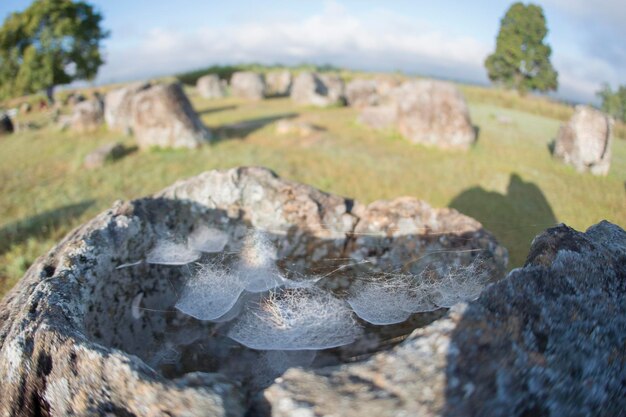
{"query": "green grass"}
(508, 181)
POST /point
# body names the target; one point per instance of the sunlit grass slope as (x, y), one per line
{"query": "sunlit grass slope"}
(508, 181)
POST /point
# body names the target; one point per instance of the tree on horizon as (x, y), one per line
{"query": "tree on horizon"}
(521, 60)
(52, 42)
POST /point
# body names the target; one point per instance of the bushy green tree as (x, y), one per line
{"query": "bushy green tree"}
(522, 58)
(614, 103)
(52, 42)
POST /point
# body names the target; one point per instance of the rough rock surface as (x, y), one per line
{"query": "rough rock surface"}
(79, 335)
(118, 107)
(547, 340)
(210, 86)
(6, 125)
(432, 113)
(585, 141)
(248, 85)
(87, 116)
(278, 83)
(362, 93)
(318, 90)
(162, 116)
(104, 154)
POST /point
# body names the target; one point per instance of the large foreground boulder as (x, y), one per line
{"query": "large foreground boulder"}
(585, 141)
(432, 113)
(248, 85)
(278, 83)
(162, 116)
(118, 107)
(318, 90)
(87, 116)
(95, 327)
(548, 340)
(210, 86)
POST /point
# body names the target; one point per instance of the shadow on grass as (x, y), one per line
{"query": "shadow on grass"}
(210, 110)
(40, 225)
(243, 129)
(515, 218)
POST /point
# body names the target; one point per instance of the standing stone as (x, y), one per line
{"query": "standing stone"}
(362, 93)
(87, 115)
(434, 113)
(6, 125)
(117, 107)
(248, 85)
(336, 88)
(278, 83)
(210, 86)
(318, 90)
(585, 141)
(162, 116)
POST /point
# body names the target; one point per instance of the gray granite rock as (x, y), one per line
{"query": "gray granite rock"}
(548, 340)
(362, 93)
(210, 86)
(162, 116)
(247, 84)
(87, 116)
(585, 141)
(91, 329)
(434, 113)
(431, 113)
(278, 83)
(118, 107)
(318, 89)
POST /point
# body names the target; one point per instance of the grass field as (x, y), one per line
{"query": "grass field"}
(508, 181)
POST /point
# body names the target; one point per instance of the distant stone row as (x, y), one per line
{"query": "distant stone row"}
(432, 113)
(158, 115)
(427, 112)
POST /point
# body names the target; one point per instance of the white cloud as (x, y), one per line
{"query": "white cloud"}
(372, 40)
(333, 36)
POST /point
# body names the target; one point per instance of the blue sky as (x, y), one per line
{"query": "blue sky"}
(447, 38)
